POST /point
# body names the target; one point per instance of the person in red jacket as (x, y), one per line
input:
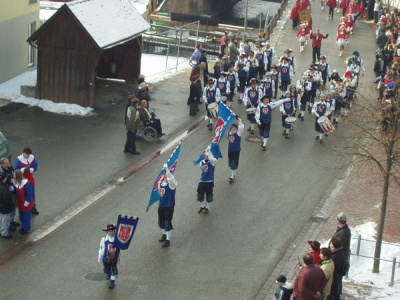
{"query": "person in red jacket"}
(316, 38)
(331, 4)
(314, 251)
(25, 201)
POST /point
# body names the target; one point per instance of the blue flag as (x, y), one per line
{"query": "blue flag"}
(225, 118)
(126, 227)
(172, 162)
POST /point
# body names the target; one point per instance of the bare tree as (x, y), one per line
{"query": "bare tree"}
(374, 137)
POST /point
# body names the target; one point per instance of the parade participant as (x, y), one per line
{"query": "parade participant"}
(234, 139)
(349, 26)
(223, 86)
(166, 191)
(332, 104)
(206, 183)
(268, 85)
(253, 65)
(288, 109)
(286, 74)
(27, 164)
(109, 255)
(251, 99)
(350, 84)
(292, 60)
(233, 79)
(337, 97)
(316, 82)
(132, 124)
(302, 36)
(263, 118)
(324, 69)
(271, 54)
(6, 207)
(360, 62)
(225, 63)
(303, 88)
(331, 4)
(317, 43)
(341, 41)
(354, 68)
(275, 78)
(242, 68)
(8, 170)
(294, 16)
(323, 4)
(211, 94)
(262, 62)
(294, 95)
(25, 200)
(319, 109)
(343, 5)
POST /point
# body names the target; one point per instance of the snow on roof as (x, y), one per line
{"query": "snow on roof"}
(109, 22)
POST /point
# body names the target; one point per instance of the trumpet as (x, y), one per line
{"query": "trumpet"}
(346, 82)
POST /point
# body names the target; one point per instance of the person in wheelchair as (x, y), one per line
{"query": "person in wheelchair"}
(149, 118)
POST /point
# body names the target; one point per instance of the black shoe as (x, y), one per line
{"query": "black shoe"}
(284, 132)
(264, 148)
(252, 131)
(22, 231)
(209, 125)
(163, 238)
(201, 209)
(299, 115)
(287, 136)
(200, 102)
(320, 141)
(206, 211)
(35, 211)
(135, 153)
(166, 244)
(16, 224)
(112, 284)
(108, 276)
(127, 150)
(7, 236)
(249, 129)
(231, 180)
(302, 118)
(11, 228)
(317, 137)
(192, 114)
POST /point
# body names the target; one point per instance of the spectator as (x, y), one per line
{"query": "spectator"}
(285, 289)
(310, 282)
(149, 118)
(339, 262)
(143, 93)
(8, 170)
(194, 96)
(315, 250)
(132, 124)
(343, 232)
(233, 51)
(328, 267)
(6, 207)
(382, 40)
(195, 58)
(203, 59)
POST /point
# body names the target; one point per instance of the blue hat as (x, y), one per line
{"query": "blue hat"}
(281, 279)
(356, 53)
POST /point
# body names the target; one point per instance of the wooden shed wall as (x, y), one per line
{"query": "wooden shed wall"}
(66, 61)
(126, 57)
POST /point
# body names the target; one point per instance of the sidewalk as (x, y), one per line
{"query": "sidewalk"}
(357, 195)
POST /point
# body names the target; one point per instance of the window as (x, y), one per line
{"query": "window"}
(31, 50)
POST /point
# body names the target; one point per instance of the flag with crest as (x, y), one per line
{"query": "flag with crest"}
(126, 227)
(172, 162)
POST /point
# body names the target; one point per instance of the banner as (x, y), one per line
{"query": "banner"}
(304, 15)
(225, 118)
(126, 227)
(172, 162)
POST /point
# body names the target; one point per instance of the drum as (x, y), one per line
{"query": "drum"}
(251, 110)
(213, 109)
(325, 124)
(290, 120)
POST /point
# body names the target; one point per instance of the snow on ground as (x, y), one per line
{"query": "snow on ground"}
(155, 67)
(361, 282)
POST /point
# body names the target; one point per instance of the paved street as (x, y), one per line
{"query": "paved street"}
(227, 254)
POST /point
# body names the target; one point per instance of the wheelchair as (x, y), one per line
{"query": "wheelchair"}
(146, 132)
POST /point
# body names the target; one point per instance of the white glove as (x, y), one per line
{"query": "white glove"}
(165, 166)
(26, 203)
(99, 260)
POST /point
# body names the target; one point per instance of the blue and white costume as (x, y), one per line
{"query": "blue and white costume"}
(234, 138)
(233, 79)
(206, 183)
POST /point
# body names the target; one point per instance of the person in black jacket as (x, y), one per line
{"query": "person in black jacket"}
(194, 96)
(343, 232)
(6, 207)
(8, 169)
(203, 58)
(339, 262)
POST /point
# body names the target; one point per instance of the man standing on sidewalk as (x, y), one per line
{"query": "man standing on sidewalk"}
(316, 44)
(6, 207)
(132, 124)
(343, 232)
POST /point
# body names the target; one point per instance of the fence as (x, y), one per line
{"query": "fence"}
(393, 261)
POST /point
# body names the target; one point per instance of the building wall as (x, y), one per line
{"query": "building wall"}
(14, 21)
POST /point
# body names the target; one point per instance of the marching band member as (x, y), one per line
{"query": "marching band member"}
(224, 86)
(271, 54)
(356, 57)
(268, 85)
(349, 26)
(320, 108)
(253, 65)
(275, 78)
(302, 36)
(166, 191)
(211, 94)
(286, 74)
(233, 79)
(288, 109)
(331, 4)
(295, 95)
(316, 81)
(350, 84)
(242, 68)
(262, 62)
(206, 183)
(263, 118)
(341, 40)
(251, 99)
(338, 98)
(331, 102)
(234, 139)
(303, 88)
(324, 69)
(292, 60)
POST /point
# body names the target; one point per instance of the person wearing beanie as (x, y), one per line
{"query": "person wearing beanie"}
(315, 248)
(109, 255)
(320, 109)
(284, 290)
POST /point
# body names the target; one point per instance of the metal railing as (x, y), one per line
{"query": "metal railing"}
(269, 28)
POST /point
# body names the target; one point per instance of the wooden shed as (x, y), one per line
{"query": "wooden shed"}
(83, 40)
